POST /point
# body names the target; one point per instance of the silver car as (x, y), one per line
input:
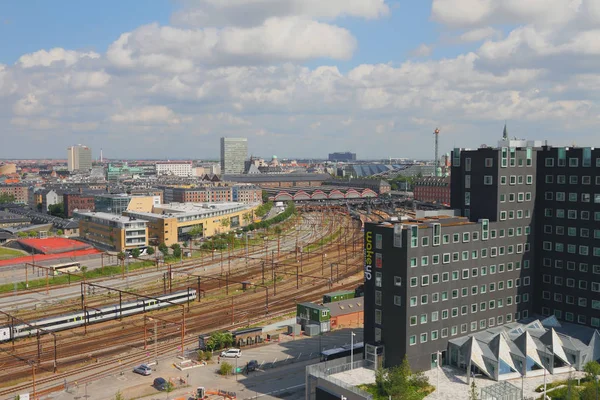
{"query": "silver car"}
(143, 370)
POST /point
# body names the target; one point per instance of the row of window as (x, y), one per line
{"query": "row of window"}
(570, 282)
(571, 214)
(581, 301)
(474, 325)
(573, 161)
(573, 179)
(464, 292)
(455, 311)
(583, 267)
(466, 255)
(572, 197)
(466, 237)
(570, 317)
(571, 248)
(571, 231)
(512, 214)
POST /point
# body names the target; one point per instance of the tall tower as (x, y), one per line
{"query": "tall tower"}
(234, 152)
(505, 132)
(79, 158)
(437, 158)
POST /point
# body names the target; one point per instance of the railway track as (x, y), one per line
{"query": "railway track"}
(202, 316)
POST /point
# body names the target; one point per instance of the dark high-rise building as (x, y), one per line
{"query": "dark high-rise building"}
(342, 157)
(568, 231)
(525, 246)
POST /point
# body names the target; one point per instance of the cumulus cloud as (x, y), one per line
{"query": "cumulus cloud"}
(422, 51)
(181, 50)
(480, 34)
(57, 55)
(147, 115)
(247, 13)
(251, 79)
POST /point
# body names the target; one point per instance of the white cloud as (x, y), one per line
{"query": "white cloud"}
(461, 12)
(422, 51)
(147, 115)
(217, 13)
(37, 124)
(88, 79)
(28, 105)
(479, 34)
(178, 50)
(84, 126)
(57, 55)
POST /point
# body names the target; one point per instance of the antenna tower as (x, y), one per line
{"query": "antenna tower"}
(437, 157)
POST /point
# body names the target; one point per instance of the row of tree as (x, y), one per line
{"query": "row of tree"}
(6, 198)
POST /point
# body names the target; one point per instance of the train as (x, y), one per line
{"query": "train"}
(106, 313)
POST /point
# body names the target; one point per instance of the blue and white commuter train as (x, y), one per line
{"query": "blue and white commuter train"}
(73, 320)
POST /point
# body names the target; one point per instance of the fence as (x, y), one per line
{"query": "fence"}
(321, 371)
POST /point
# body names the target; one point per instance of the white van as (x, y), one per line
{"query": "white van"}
(237, 353)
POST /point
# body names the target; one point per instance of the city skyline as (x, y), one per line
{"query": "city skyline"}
(366, 76)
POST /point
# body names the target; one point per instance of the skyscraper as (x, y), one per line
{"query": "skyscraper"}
(234, 152)
(79, 158)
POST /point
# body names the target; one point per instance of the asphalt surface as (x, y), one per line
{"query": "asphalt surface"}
(284, 380)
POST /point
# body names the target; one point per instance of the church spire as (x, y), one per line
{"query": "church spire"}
(505, 132)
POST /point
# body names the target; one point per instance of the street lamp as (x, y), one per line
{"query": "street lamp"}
(437, 362)
(352, 334)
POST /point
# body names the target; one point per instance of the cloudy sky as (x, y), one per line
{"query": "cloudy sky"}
(298, 78)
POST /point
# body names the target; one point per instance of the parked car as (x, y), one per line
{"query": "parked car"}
(160, 384)
(231, 353)
(143, 370)
(252, 366)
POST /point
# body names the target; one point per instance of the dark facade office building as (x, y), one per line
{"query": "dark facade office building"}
(342, 157)
(524, 246)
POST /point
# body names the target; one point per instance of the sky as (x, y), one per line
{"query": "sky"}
(299, 78)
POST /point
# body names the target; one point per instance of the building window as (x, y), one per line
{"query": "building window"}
(488, 180)
(378, 317)
(413, 320)
(378, 297)
(423, 338)
(397, 300)
(397, 281)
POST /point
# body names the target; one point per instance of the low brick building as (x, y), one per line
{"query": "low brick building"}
(77, 201)
(433, 189)
(347, 313)
(20, 192)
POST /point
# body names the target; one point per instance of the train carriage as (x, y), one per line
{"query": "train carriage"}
(106, 313)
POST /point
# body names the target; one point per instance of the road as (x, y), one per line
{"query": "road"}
(280, 381)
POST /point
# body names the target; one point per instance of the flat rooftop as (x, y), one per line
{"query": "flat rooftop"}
(356, 376)
(106, 216)
(197, 210)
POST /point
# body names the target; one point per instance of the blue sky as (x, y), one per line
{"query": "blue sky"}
(299, 78)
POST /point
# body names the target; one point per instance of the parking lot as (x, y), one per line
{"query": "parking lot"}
(280, 370)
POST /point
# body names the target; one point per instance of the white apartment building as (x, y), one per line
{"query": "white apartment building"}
(174, 168)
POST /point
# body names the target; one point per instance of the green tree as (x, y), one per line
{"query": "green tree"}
(169, 387)
(399, 382)
(32, 234)
(265, 196)
(196, 231)
(589, 392)
(59, 232)
(163, 249)
(83, 270)
(473, 392)
(225, 222)
(136, 253)
(592, 369)
(225, 368)
(200, 355)
(150, 250)
(176, 250)
(219, 340)
(119, 396)
(6, 198)
(57, 210)
(22, 234)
